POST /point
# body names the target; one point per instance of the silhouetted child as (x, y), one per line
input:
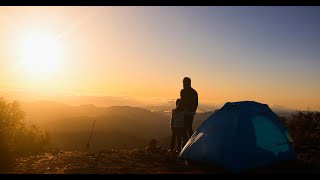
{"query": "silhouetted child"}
(177, 126)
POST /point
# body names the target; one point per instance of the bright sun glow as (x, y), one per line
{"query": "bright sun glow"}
(40, 54)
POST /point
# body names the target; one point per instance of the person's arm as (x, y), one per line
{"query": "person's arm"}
(196, 104)
(171, 120)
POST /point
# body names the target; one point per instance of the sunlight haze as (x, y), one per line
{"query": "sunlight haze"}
(264, 54)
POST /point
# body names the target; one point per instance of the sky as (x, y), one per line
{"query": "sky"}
(231, 53)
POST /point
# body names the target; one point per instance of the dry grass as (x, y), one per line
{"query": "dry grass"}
(140, 162)
(103, 162)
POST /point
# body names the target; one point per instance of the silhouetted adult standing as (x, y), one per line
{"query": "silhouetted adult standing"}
(190, 98)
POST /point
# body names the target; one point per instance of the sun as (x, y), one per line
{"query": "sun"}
(40, 54)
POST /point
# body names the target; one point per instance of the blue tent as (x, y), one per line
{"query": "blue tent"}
(240, 136)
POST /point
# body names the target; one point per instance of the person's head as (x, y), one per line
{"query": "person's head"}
(186, 82)
(178, 101)
(179, 104)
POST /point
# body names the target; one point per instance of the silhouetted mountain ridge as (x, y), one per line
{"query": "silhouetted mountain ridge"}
(115, 126)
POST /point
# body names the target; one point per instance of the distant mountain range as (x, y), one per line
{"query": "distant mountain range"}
(71, 125)
(151, 103)
(115, 126)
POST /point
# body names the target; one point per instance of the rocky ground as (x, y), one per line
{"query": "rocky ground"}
(139, 162)
(104, 162)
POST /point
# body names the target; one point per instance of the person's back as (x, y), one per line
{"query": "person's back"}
(177, 126)
(190, 98)
(177, 118)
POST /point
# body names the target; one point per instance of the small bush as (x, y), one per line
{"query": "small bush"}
(305, 128)
(16, 139)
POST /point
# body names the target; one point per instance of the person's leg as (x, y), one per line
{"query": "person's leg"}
(179, 137)
(184, 136)
(189, 121)
(173, 138)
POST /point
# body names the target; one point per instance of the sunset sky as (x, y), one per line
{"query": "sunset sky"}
(266, 54)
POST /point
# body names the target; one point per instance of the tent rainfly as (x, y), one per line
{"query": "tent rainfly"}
(240, 136)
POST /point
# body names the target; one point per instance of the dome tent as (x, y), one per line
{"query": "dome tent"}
(240, 136)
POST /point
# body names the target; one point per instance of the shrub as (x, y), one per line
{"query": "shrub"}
(16, 139)
(305, 128)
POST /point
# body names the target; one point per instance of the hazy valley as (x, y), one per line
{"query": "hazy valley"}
(115, 126)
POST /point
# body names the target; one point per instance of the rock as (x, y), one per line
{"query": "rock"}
(153, 148)
(136, 151)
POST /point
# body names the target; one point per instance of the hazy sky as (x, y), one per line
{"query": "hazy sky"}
(266, 54)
